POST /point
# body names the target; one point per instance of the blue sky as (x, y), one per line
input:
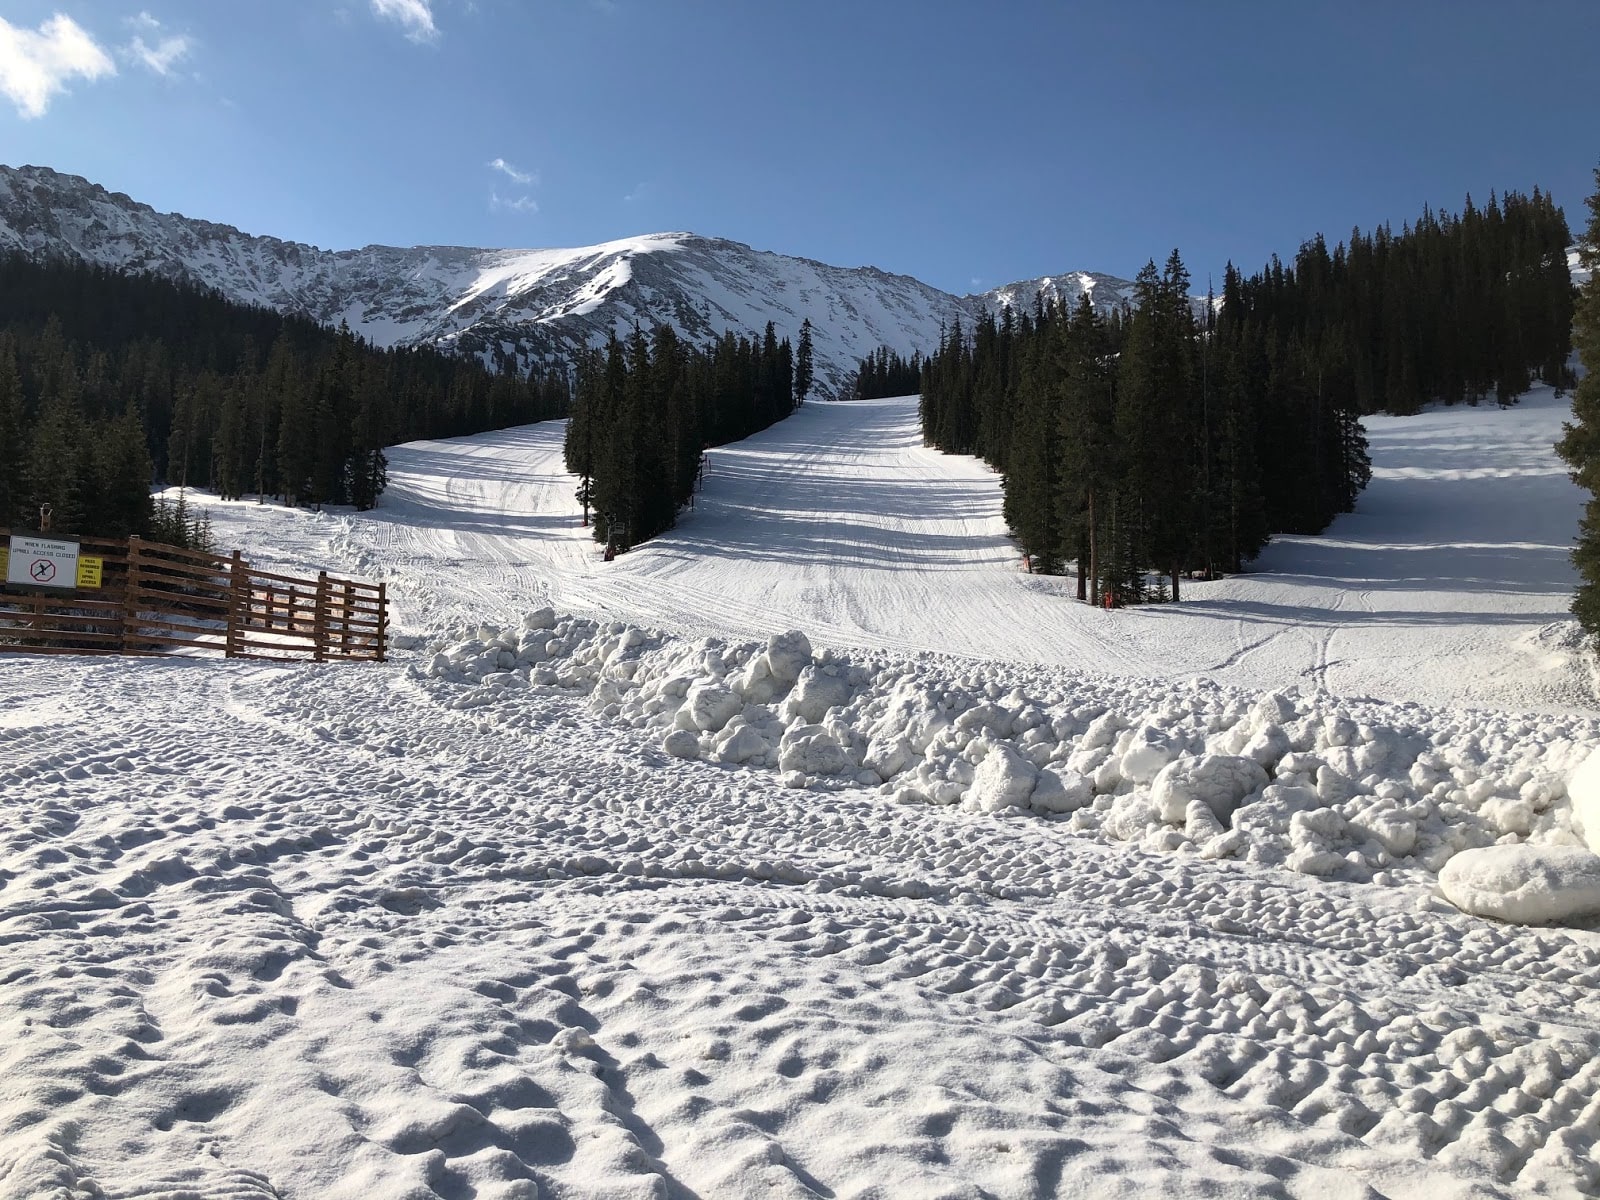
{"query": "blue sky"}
(966, 143)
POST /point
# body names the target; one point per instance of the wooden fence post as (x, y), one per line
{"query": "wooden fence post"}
(383, 621)
(238, 597)
(130, 596)
(319, 619)
(344, 624)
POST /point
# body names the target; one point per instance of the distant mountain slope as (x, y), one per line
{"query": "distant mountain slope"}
(1107, 291)
(531, 302)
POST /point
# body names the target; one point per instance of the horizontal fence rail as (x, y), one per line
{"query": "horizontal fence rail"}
(157, 599)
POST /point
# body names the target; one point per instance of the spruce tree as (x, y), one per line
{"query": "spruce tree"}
(615, 482)
(1580, 445)
(1030, 482)
(229, 469)
(1154, 421)
(1086, 441)
(578, 449)
(59, 473)
(802, 363)
(122, 463)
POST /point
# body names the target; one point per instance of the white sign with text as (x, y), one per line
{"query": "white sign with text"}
(42, 562)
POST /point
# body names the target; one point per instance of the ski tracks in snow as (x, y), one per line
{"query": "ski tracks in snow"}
(839, 522)
(456, 953)
(314, 932)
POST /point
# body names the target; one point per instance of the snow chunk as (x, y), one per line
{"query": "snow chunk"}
(1523, 884)
(741, 745)
(1148, 751)
(1393, 830)
(815, 693)
(811, 750)
(710, 706)
(787, 655)
(1316, 835)
(1060, 792)
(1131, 817)
(909, 712)
(1583, 789)
(540, 618)
(1268, 745)
(1274, 708)
(888, 757)
(1102, 731)
(774, 671)
(1219, 781)
(1004, 779)
(681, 743)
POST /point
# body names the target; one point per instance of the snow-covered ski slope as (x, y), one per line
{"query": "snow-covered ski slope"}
(468, 925)
(1449, 584)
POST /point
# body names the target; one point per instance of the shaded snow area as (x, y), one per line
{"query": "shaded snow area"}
(815, 849)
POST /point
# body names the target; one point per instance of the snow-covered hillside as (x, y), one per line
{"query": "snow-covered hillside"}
(1107, 292)
(541, 302)
(975, 892)
(1449, 584)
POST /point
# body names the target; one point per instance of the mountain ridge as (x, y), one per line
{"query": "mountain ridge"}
(520, 304)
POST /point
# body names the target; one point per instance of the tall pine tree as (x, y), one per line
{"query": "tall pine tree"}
(1580, 446)
(803, 367)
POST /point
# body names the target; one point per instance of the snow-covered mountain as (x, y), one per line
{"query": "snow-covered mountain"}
(1107, 291)
(537, 303)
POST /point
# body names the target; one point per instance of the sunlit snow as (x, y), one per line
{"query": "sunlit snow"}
(817, 849)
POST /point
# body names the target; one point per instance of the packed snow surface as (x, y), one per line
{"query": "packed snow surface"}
(1448, 585)
(816, 849)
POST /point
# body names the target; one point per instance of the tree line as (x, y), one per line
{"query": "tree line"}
(644, 410)
(1453, 308)
(1174, 439)
(109, 382)
(884, 373)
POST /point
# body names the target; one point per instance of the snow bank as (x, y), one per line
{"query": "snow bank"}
(1528, 885)
(1320, 785)
(1584, 790)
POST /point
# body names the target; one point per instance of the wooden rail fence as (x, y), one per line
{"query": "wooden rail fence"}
(156, 599)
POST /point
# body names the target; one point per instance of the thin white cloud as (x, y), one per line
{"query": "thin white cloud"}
(161, 57)
(414, 16)
(35, 65)
(516, 204)
(524, 178)
(641, 191)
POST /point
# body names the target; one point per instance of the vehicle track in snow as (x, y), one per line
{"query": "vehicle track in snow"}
(410, 923)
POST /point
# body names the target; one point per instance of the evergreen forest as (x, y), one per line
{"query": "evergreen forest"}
(1173, 438)
(644, 410)
(884, 373)
(109, 382)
